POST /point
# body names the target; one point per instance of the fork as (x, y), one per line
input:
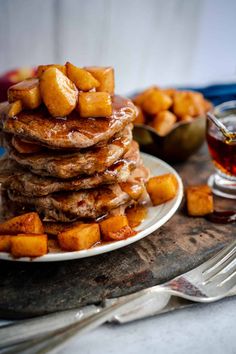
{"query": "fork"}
(211, 281)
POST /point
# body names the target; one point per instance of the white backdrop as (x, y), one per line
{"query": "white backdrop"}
(167, 42)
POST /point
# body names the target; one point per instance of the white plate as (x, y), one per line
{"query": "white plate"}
(156, 217)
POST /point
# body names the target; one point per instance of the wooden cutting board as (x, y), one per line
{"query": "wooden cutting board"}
(30, 289)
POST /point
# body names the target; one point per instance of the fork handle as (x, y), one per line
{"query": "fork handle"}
(57, 339)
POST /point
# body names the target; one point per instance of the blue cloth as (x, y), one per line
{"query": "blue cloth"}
(218, 93)
(215, 93)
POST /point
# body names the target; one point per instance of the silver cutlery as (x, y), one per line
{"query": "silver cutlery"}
(211, 281)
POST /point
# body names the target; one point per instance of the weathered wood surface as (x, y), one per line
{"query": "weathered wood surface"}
(28, 289)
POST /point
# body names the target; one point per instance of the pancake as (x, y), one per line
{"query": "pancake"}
(29, 184)
(71, 131)
(68, 165)
(70, 206)
(86, 203)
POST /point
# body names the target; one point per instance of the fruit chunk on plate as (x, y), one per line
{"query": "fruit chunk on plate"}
(58, 93)
(26, 223)
(94, 104)
(162, 188)
(116, 228)
(29, 245)
(27, 92)
(82, 78)
(105, 76)
(80, 237)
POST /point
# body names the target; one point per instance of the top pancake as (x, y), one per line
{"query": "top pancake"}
(71, 131)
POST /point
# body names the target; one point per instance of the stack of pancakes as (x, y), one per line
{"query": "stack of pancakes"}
(71, 168)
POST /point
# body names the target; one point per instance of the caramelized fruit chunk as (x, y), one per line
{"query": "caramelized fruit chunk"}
(42, 68)
(95, 104)
(162, 188)
(105, 76)
(27, 92)
(5, 243)
(199, 200)
(26, 223)
(156, 101)
(80, 237)
(163, 122)
(82, 79)
(140, 98)
(29, 245)
(134, 190)
(136, 214)
(187, 103)
(58, 92)
(14, 108)
(112, 225)
(121, 234)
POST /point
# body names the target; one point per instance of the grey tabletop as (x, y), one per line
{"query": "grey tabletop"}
(201, 329)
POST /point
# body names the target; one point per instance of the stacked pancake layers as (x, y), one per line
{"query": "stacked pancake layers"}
(70, 168)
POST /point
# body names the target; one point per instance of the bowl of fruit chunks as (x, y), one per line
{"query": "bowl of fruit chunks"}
(170, 123)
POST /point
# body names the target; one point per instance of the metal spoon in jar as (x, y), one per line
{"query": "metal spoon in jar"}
(229, 136)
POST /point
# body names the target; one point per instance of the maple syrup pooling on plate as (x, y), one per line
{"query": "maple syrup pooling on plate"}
(223, 152)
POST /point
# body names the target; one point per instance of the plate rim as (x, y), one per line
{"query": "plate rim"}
(97, 250)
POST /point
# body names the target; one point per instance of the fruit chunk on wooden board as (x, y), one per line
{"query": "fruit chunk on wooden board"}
(27, 92)
(82, 79)
(105, 76)
(29, 245)
(42, 68)
(199, 200)
(162, 188)
(58, 92)
(94, 104)
(80, 237)
(116, 228)
(26, 223)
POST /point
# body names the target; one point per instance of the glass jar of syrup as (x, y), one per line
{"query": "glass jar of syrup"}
(222, 149)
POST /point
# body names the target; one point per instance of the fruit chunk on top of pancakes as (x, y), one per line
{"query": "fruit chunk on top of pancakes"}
(71, 164)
